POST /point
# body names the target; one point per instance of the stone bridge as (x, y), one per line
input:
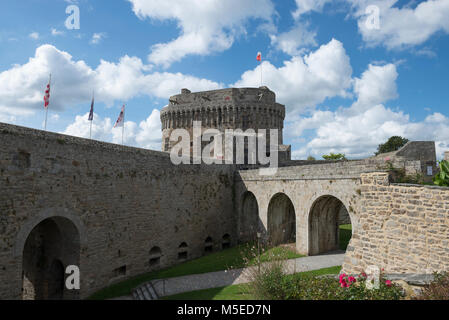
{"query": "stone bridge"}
(301, 203)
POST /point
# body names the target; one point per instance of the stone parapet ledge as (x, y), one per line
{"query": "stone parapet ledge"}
(375, 178)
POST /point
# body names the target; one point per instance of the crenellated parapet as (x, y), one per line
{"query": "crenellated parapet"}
(228, 108)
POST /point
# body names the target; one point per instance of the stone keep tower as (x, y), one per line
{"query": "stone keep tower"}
(233, 108)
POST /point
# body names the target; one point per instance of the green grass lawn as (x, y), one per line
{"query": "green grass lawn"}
(345, 235)
(230, 258)
(238, 291)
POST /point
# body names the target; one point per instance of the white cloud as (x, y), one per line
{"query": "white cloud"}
(294, 41)
(305, 82)
(205, 26)
(55, 32)
(22, 86)
(147, 135)
(377, 85)
(305, 6)
(97, 37)
(402, 27)
(359, 129)
(101, 127)
(34, 35)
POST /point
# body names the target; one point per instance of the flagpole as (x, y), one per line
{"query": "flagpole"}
(91, 121)
(46, 109)
(90, 133)
(123, 128)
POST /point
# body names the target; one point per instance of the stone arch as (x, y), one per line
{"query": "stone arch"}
(53, 244)
(326, 214)
(281, 220)
(249, 218)
(43, 215)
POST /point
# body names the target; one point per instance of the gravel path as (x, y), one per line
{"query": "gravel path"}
(171, 286)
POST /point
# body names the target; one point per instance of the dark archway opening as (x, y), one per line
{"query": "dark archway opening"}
(329, 226)
(249, 220)
(155, 257)
(50, 247)
(183, 251)
(226, 242)
(208, 245)
(281, 220)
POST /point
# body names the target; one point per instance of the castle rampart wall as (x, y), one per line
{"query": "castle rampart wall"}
(123, 202)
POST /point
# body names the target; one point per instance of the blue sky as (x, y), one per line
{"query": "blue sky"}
(347, 87)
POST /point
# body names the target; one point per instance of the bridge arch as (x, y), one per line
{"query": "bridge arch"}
(327, 213)
(281, 220)
(249, 217)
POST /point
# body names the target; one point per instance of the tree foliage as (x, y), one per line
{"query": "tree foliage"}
(335, 156)
(393, 144)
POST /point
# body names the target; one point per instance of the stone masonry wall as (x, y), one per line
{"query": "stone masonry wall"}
(402, 228)
(123, 201)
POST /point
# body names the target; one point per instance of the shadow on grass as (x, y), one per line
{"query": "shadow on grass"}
(232, 258)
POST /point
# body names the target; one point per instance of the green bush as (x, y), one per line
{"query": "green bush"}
(278, 286)
(267, 278)
(333, 156)
(442, 178)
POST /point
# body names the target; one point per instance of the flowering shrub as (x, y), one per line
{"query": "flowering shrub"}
(306, 287)
(356, 289)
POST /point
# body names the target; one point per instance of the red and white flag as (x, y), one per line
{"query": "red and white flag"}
(121, 119)
(259, 56)
(47, 96)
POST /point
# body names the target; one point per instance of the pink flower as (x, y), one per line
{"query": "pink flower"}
(364, 274)
(344, 284)
(342, 276)
(351, 279)
(388, 283)
(387, 159)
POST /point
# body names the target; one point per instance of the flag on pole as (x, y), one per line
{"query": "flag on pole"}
(120, 121)
(91, 114)
(259, 56)
(47, 96)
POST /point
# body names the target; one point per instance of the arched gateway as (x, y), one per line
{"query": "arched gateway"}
(50, 247)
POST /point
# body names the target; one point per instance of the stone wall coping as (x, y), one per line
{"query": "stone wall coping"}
(66, 139)
(264, 178)
(419, 186)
